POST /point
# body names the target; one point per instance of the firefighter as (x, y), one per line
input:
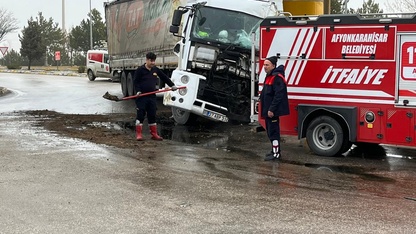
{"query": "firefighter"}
(145, 80)
(274, 103)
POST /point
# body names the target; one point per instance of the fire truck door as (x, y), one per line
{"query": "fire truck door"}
(406, 94)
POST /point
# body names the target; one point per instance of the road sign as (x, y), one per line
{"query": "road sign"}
(57, 55)
(3, 49)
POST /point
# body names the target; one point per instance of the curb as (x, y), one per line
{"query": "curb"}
(43, 72)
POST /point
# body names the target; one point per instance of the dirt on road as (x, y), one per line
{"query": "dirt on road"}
(117, 130)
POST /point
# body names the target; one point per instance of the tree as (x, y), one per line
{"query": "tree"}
(8, 23)
(79, 37)
(12, 60)
(336, 6)
(31, 42)
(405, 6)
(369, 7)
(53, 39)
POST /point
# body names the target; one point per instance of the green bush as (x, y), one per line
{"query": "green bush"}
(14, 66)
(81, 69)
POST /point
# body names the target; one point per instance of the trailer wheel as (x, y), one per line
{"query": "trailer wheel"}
(130, 85)
(325, 136)
(90, 75)
(123, 82)
(183, 117)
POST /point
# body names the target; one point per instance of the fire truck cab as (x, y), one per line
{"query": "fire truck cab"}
(351, 78)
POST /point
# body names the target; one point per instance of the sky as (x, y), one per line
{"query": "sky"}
(22, 10)
(75, 12)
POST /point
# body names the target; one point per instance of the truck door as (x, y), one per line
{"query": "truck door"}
(406, 93)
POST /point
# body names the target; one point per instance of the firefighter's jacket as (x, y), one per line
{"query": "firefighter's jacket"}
(145, 81)
(274, 97)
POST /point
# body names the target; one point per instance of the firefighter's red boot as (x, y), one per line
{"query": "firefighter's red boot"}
(153, 131)
(139, 128)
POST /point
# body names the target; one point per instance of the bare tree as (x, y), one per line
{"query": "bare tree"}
(403, 6)
(8, 23)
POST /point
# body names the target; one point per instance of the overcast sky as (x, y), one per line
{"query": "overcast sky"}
(75, 12)
(22, 10)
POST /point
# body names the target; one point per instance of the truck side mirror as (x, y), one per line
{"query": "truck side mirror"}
(174, 29)
(177, 18)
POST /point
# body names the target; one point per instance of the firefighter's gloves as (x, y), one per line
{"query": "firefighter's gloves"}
(138, 93)
(174, 88)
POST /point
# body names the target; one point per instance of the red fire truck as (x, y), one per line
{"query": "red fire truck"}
(351, 78)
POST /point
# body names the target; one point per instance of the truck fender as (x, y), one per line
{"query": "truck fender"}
(345, 115)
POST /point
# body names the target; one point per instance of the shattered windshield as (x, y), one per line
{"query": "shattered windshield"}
(213, 24)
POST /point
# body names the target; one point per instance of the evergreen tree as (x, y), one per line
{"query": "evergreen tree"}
(31, 42)
(12, 60)
(369, 7)
(336, 6)
(53, 39)
(79, 37)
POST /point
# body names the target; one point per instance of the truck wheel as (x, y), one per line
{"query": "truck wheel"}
(91, 76)
(123, 82)
(130, 85)
(183, 117)
(325, 136)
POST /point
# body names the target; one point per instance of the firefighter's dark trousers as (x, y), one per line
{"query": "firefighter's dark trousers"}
(146, 106)
(273, 132)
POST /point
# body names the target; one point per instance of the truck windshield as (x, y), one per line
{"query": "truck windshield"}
(213, 24)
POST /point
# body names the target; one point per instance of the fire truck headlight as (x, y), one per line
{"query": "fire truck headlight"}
(185, 79)
(183, 92)
(369, 117)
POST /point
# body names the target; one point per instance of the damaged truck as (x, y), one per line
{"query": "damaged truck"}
(203, 45)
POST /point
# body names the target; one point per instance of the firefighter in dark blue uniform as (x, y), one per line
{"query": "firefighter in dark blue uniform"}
(145, 80)
(274, 103)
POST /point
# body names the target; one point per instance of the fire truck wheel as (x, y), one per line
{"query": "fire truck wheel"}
(91, 76)
(123, 82)
(325, 136)
(183, 117)
(130, 85)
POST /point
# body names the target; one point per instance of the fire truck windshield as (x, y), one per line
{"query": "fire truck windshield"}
(213, 24)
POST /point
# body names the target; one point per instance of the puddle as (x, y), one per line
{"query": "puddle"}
(353, 170)
(207, 135)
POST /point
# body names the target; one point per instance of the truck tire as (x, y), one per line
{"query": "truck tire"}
(183, 117)
(325, 136)
(91, 75)
(123, 82)
(130, 85)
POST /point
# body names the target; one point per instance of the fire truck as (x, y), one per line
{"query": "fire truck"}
(351, 78)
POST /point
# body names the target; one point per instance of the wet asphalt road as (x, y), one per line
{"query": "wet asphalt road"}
(52, 184)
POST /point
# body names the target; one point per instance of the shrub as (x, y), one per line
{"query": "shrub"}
(14, 66)
(81, 69)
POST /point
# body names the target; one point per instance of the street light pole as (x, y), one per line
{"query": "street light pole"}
(90, 27)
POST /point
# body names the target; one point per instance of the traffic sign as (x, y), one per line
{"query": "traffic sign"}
(3, 49)
(57, 55)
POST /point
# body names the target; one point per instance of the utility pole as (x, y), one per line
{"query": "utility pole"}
(91, 27)
(63, 16)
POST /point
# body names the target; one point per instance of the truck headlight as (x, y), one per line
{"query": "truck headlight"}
(183, 92)
(185, 79)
